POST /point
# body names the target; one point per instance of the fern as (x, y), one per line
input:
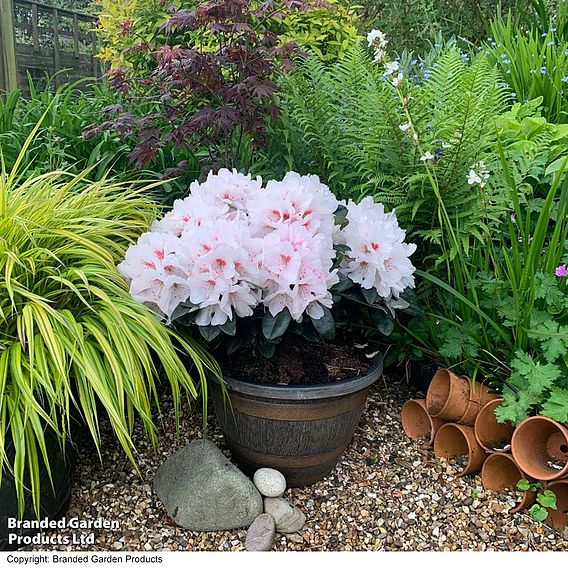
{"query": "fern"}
(349, 120)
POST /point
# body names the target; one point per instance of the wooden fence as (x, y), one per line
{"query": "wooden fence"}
(42, 41)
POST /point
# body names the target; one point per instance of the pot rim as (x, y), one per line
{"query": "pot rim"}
(307, 392)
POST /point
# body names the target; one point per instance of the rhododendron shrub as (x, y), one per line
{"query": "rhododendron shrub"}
(271, 258)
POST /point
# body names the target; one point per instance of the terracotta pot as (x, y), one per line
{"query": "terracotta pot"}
(559, 518)
(536, 442)
(480, 393)
(471, 413)
(448, 396)
(453, 440)
(493, 436)
(416, 421)
(500, 471)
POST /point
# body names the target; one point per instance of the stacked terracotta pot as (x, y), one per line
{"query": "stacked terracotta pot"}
(458, 418)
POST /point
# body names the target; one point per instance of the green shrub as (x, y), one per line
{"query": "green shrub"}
(71, 336)
(344, 123)
(131, 31)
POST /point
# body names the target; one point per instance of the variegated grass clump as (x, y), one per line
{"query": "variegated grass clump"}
(71, 336)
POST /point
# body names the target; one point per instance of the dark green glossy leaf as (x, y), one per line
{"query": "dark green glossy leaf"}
(382, 321)
(275, 326)
(325, 325)
(209, 332)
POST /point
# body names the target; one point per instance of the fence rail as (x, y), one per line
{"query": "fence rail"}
(42, 41)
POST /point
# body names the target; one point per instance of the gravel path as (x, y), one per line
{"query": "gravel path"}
(387, 493)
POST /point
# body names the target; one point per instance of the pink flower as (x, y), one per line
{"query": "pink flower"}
(562, 270)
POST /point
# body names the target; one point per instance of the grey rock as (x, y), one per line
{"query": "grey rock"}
(287, 517)
(269, 482)
(261, 534)
(203, 491)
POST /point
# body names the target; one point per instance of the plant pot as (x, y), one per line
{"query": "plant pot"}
(302, 431)
(416, 421)
(500, 471)
(54, 500)
(480, 393)
(559, 518)
(448, 396)
(454, 440)
(537, 442)
(493, 436)
(473, 409)
(456, 399)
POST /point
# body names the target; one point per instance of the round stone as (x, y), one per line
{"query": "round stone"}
(270, 482)
(287, 518)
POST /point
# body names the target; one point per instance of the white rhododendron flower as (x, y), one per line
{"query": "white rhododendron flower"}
(378, 256)
(231, 246)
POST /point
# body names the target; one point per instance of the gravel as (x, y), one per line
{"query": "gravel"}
(387, 493)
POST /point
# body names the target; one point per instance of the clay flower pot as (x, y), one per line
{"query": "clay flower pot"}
(471, 413)
(416, 421)
(500, 471)
(493, 436)
(559, 518)
(448, 396)
(480, 393)
(540, 448)
(454, 440)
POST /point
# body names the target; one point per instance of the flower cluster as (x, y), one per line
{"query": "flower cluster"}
(233, 245)
(378, 257)
(377, 40)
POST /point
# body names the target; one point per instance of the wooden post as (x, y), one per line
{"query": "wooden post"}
(56, 54)
(96, 62)
(76, 35)
(35, 34)
(8, 66)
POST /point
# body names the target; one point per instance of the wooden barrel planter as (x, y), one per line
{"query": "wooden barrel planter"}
(301, 431)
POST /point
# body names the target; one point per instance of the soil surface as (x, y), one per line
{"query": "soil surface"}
(386, 493)
(298, 363)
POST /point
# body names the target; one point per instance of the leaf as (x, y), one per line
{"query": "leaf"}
(556, 407)
(538, 513)
(370, 295)
(382, 321)
(267, 349)
(325, 325)
(230, 326)
(547, 499)
(275, 326)
(209, 332)
(523, 485)
(234, 343)
(344, 283)
(553, 339)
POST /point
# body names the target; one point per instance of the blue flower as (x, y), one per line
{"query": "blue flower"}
(543, 70)
(550, 43)
(514, 95)
(566, 52)
(464, 56)
(503, 55)
(506, 61)
(565, 79)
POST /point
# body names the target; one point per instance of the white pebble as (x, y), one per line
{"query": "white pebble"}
(269, 482)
